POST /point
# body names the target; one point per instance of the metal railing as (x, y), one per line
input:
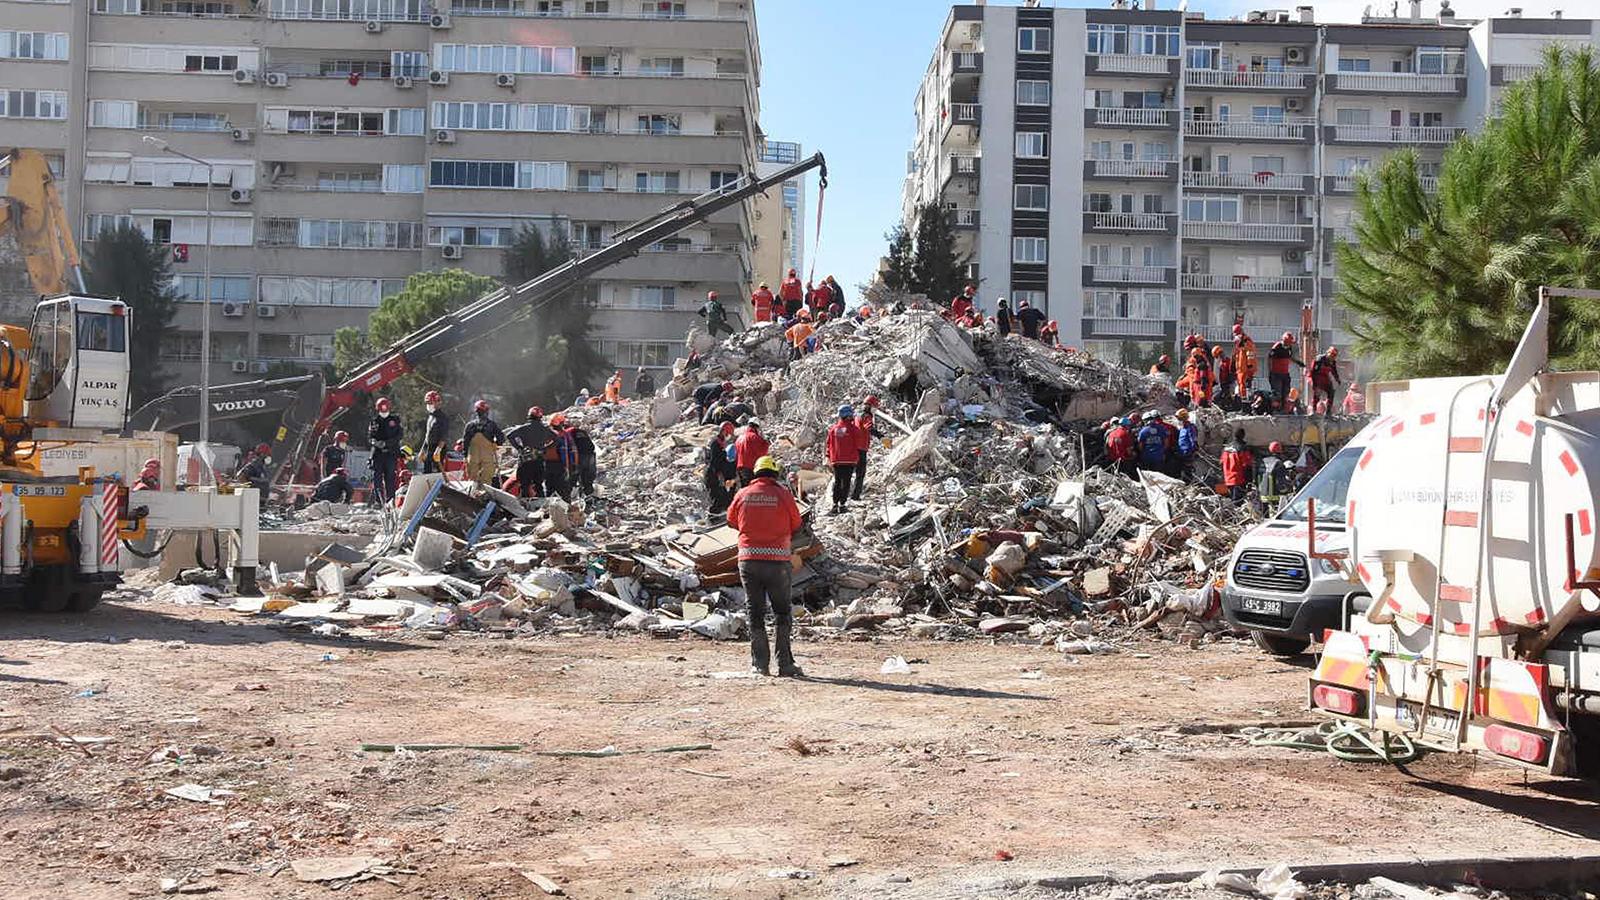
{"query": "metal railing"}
(1245, 180)
(1389, 82)
(1127, 62)
(1223, 334)
(1128, 327)
(967, 61)
(1117, 221)
(1130, 274)
(622, 12)
(1249, 284)
(1511, 73)
(1132, 168)
(1247, 231)
(963, 164)
(1343, 233)
(1124, 116)
(1280, 79)
(964, 218)
(1398, 134)
(1293, 128)
(964, 113)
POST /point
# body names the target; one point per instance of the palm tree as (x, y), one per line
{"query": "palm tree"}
(1443, 283)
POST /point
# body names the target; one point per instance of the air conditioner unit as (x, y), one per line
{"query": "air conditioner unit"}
(438, 78)
(277, 80)
(233, 310)
(1294, 56)
(240, 195)
(450, 251)
(1293, 104)
(243, 135)
(439, 20)
(505, 80)
(444, 136)
(244, 76)
(1294, 254)
(373, 26)
(240, 367)
(258, 367)
(266, 312)
(404, 82)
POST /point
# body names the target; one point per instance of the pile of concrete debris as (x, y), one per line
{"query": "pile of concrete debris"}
(989, 514)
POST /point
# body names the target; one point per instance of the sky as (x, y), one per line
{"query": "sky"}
(840, 76)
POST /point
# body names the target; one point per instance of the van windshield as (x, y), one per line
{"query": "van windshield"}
(1327, 487)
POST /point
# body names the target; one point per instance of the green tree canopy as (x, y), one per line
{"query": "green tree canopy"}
(123, 263)
(1442, 283)
(549, 347)
(937, 270)
(897, 274)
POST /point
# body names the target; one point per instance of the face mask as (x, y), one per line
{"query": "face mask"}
(432, 408)
(268, 460)
(344, 445)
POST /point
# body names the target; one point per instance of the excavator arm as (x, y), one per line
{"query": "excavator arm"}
(32, 213)
(296, 399)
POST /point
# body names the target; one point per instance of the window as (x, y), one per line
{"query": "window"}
(96, 223)
(666, 66)
(50, 45)
(1351, 165)
(161, 58)
(721, 179)
(1427, 120)
(1033, 40)
(651, 296)
(289, 290)
(113, 113)
(1155, 40)
(470, 235)
(1104, 39)
(169, 172)
(594, 65)
(1097, 202)
(1266, 164)
(350, 10)
(1345, 115)
(1204, 56)
(1035, 299)
(588, 235)
(1266, 114)
(403, 179)
(495, 174)
(1033, 93)
(349, 182)
(366, 68)
(1029, 250)
(1033, 197)
(659, 123)
(1355, 64)
(656, 182)
(226, 231)
(1439, 61)
(511, 59)
(410, 63)
(224, 288)
(33, 104)
(1211, 209)
(591, 180)
(210, 62)
(107, 169)
(662, 9)
(336, 234)
(119, 7)
(1031, 144)
(649, 354)
(102, 332)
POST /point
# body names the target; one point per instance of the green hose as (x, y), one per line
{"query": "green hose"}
(1345, 741)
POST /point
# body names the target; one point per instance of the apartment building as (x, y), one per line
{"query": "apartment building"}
(780, 236)
(352, 143)
(1212, 166)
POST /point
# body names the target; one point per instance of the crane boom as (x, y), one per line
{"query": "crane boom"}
(32, 212)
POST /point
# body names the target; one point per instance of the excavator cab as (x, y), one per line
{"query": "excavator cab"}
(78, 363)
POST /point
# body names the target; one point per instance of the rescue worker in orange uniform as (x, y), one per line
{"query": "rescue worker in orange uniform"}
(1162, 366)
(614, 387)
(1224, 369)
(1197, 377)
(1244, 361)
(761, 300)
(766, 517)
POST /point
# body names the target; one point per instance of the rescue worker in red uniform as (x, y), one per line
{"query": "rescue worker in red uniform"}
(1278, 360)
(1325, 377)
(748, 449)
(1121, 450)
(766, 517)
(1162, 366)
(845, 443)
(792, 294)
(868, 424)
(1224, 369)
(1237, 463)
(963, 303)
(762, 301)
(149, 477)
(1197, 378)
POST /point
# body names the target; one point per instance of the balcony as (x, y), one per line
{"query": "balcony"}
(1511, 73)
(1248, 181)
(962, 165)
(1130, 223)
(963, 115)
(1246, 284)
(964, 218)
(1261, 334)
(1131, 64)
(966, 63)
(1120, 117)
(1165, 169)
(1396, 83)
(1247, 232)
(1248, 79)
(1292, 128)
(1146, 328)
(1110, 275)
(1394, 134)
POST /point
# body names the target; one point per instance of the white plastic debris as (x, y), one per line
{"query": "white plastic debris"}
(895, 665)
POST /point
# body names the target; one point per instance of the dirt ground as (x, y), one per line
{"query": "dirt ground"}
(861, 784)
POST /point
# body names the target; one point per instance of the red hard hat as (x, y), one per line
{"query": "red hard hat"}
(1333, 351)
(431, 397)
(341, 436)
(872, 400)
(481, 406)
(1165, 358)
(727, 386)
(535, 412)
(711, 295)
(1275, 447)
(380, 403)
(1054, 324)
(727, 428)
(341, 471)
(1288, 337)
(1216, 351)
(1237, 328)
(152, 463)
(263, 449)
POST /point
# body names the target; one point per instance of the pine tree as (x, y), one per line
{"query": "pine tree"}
(123, 263)
(936, 268)
(550, 348)
(897, 274)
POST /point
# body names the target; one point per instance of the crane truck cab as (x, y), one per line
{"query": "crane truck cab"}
(78, 362)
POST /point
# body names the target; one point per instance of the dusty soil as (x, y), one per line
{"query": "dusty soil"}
(875, 785)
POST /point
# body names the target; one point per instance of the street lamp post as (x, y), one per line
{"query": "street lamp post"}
(205, 316)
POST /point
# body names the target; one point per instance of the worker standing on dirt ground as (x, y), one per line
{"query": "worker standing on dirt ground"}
(707, 394)
(483, 438)
(767, 518)
(1279, 357)
(588, 458)
(560, 460)
(530, 440)
(1002, 316)
(1244, 361)
(845, 441)
(716, 317)
(761, 303)
(333, 455)
(434, 433)
(1029, 319)
(644, 384)
(792, 294)
(1121, 449)
(384, 435)
(149, 477)
(868, 423)
(750, 447)
(1237, 463)
(1224, 370)
(335, 488)
(1188, 444)
(721, 474)
(1325, 376)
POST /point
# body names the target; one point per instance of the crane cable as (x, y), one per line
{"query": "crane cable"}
(816, 242)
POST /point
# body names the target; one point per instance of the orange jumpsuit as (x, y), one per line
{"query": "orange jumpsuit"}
(1198, 378)
(1244, 364)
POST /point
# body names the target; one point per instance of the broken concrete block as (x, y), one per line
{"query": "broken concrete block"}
(432, 550)
(907, 453)
(1008, 558)
(505, 501)
(1003, 624)
(1097, 583)
(639, 621)
(664, 412)
(330, 581)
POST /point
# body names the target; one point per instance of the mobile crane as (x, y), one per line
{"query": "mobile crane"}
(495, 308)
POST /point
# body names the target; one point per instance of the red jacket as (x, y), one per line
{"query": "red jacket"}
(1119, 444)
(868, 424)
(790, 289)
(750, 447)
(766, 515)
(846, 440)
(960, 306)
(1236, 464)
(762, 299)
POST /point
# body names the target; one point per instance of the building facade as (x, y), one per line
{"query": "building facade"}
(353, 143)
(1212, 165)
(780, 239)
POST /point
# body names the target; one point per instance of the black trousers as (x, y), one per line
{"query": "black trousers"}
(720, 495)
(385, 476)
(1280, 386)
(555, 481)
(428, 465)
(843, 474)
(766, 584)
(586, 475)
(861, 475)
(746, 476)
(530, 477)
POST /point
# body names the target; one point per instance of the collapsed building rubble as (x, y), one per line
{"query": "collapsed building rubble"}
(989, 513)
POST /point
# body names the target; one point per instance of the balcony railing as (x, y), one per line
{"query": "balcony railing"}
(1398, 82)
(1294, 128)
(963, 164)
(1126, 62)
(1131, 118)
(619, 11)
(964, 218)
(1245, 180)
(1282, 79)
(1117, 221)
(1127, 327)
(1131, 168)
(1512, 73)
(1247, 231)
(1261, 334)
(1343, 233)
(965, 113)
(1248, 284)
(1398, 134)
(967, 62)
(1117, 274)
(1430, 183)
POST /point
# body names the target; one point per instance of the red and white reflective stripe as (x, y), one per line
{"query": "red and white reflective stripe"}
(108, 525)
